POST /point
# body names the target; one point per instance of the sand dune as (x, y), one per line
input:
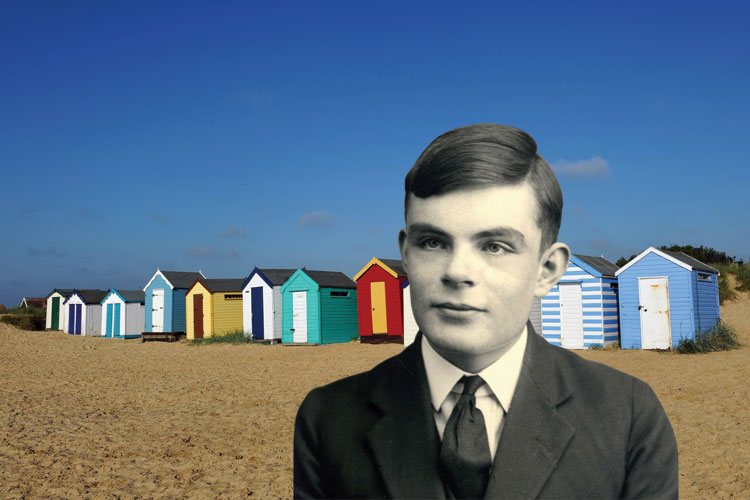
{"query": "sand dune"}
(103, 418)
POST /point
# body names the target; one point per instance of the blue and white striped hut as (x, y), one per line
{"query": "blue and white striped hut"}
(664, 297)
(581, 310)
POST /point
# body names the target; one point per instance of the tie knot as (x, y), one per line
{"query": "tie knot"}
(471, 384)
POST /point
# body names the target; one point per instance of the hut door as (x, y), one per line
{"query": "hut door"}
(198, 316)
(157, 310)
(656, 331)
(116, 321)
(256, 299)
(55, 313)
(74, 319)
(377, 300)
(108, 330)
(299, 316)
(571, 315)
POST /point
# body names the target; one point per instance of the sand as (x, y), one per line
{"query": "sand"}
(108, 418)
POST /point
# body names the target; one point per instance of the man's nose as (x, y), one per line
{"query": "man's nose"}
(458, 271)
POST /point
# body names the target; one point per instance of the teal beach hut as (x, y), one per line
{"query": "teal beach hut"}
(318, 307)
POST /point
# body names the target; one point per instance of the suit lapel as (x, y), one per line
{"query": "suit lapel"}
(404, 440)
(534, 434)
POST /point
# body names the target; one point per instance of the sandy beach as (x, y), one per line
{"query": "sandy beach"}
(106, 418)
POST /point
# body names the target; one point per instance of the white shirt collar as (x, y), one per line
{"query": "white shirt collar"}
(501, 376)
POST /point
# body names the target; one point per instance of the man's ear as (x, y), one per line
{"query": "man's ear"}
(552, 266)
(402, 248)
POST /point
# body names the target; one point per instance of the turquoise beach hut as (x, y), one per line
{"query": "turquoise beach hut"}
(318, 307)
(122, 314)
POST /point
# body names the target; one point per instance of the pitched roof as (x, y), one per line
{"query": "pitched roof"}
(92, 296)
(605, 267)
(277, 276)
(40, 302)
(331, 279)
(690, 261)
(65, 292)
(223, 285)
(393, 267)
(181, 279)
(396, 265)
(132, 295)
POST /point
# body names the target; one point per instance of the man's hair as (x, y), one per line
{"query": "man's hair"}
(485, 155)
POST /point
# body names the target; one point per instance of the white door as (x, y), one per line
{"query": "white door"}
(656, 331)
(299, 316)
(157, 310)
(571, 315)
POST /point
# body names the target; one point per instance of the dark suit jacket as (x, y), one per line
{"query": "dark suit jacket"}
(575, 429)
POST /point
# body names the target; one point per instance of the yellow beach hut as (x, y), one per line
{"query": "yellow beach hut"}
(213, 307)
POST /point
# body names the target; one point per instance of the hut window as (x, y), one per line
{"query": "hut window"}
(234, 296)
(704, 276)
(339, 294)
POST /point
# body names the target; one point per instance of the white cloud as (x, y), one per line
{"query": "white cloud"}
(321, 219)
(592, 168)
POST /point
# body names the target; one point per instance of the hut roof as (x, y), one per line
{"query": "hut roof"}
(690, 261)
(277, 276)
(39, 302)
(605, 267)
(181, 279)
(396, 265)
(331, 279)
(132, 295)
(65, 292)
(223, 285)
(92, 296)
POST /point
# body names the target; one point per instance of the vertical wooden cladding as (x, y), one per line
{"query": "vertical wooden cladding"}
(198, 316)
(198, 297)
(368, 280)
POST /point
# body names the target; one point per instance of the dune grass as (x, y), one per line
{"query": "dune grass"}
(721, 337)
(25, 318)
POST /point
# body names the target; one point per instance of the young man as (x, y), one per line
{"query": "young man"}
(480, 406)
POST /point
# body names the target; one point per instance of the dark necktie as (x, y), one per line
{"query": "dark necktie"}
(465, 453)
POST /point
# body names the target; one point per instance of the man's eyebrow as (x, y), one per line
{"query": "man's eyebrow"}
(515, 235)
(423, 227)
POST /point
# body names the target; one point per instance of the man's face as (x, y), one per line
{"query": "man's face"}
(473, 259)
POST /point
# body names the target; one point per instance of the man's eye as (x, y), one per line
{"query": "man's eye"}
(431, 243)
(495, 248)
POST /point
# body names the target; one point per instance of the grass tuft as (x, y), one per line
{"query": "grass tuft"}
(595, 347)
(233, 337)
(721, 337)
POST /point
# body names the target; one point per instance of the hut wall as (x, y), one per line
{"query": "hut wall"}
(338, 315)
(158, 283)
(706, 305)
(300, 282)
(410, 324)
(60, 311)
(268, 307)
(198, 289)
(393, 301)
(227, 313)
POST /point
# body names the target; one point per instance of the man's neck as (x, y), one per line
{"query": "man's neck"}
(475, 363)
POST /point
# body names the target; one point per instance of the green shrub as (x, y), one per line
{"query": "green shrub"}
(233, 337)
(720, 338)
(27, 318)
(743, 277)
(595, 347)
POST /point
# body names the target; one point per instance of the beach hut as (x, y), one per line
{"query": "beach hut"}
(261, 303)
(123, 313)
(664, 297)
(84, 312)
(410, 324)
(39, 302)
(165, 301)
(380, 301)
(318, 307)
(581, 310)
(55, 309)
(214, 307)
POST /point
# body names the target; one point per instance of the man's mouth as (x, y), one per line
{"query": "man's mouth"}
(455, 307)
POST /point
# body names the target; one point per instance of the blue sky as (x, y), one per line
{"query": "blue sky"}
(224, 135)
